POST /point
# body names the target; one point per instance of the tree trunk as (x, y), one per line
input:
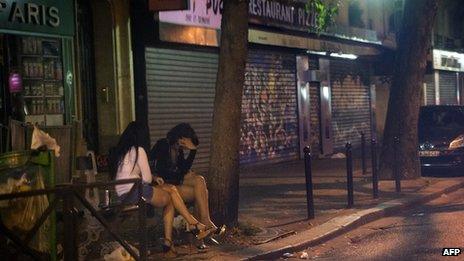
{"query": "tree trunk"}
(223, 180)
(404, 102)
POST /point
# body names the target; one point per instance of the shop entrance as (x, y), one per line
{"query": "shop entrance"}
(97, 74)
(86, 74)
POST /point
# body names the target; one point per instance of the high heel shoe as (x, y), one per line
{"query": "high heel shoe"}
(219, 231)
(200, 233)
(168, 249)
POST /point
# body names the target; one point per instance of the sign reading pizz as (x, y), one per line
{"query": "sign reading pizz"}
(291, 15)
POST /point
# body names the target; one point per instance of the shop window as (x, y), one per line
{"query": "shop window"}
(355, 14)
(38, 96)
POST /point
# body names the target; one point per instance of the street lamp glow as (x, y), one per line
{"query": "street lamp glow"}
(344, 56)
(317, 52)
(325, 92)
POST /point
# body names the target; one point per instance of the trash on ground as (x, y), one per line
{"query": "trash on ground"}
(304, 255)
(288, 255)
(119, 254)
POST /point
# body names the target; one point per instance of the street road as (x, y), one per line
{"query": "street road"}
(416, 234)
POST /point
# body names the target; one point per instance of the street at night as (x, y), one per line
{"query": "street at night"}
(420, 233)
(231, 130)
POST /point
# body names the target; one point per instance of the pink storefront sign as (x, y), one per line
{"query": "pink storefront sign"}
(203, 13)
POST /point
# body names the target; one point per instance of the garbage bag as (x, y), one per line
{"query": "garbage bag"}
(20, 215)
(41, 138)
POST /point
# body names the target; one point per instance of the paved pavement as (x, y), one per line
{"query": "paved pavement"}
(275, 196)
(417, 234)
(272, 199)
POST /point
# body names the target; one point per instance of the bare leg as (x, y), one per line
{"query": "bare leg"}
(194, 188)
(162, 199)
(168, 217)
(179, 205)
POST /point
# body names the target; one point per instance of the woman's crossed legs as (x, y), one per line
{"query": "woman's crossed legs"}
(167, 197)
(194, 189)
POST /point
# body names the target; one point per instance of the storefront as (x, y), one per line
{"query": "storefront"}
(181, 82)
(351, 102)
(333, 90)
(282, 102)
(443, 86)
(269, 129)
(36, 47)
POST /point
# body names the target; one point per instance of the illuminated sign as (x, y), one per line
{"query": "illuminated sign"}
(291, 15)
(207, 13)
(44, 16)
(203, 13)
(448, 61)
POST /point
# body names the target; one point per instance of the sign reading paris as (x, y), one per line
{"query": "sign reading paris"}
(52, 16)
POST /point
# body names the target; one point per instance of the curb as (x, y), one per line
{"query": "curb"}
(340, 225)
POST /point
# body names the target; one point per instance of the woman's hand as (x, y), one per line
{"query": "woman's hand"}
(187, 143)
(159, 180)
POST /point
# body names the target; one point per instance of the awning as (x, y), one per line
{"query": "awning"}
(312, 44)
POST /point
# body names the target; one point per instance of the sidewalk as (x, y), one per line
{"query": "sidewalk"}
(273, 208)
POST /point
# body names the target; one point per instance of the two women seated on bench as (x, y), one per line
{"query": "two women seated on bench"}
(169, 162)
(129, 160)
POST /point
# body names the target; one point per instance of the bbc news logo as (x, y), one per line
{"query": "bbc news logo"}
(451, 252)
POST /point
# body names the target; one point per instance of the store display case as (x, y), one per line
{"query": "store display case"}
(42, 71)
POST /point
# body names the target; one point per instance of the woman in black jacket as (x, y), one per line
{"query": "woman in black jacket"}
(169, 162)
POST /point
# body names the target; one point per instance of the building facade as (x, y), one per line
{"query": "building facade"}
(37, 72)
(105, 94)
(443, 85)
(300, 88)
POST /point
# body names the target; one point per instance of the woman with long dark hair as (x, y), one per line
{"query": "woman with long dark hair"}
(129, 160)
(169, 162)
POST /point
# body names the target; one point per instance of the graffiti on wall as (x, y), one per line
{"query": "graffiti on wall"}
(351, 108)
(269, 119)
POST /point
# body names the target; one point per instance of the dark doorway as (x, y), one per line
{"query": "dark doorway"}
(85, 39)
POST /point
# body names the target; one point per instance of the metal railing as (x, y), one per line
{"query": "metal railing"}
(67, 193)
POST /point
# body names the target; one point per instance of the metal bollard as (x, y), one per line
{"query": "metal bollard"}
(309, 182)
(375, 177)
(349, 174)
(396, 172)
(363, 153)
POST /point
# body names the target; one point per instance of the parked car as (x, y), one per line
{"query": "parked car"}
(441, 139)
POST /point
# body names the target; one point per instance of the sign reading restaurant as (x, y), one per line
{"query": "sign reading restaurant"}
(208, 13)
(292, 15)
(38, 16)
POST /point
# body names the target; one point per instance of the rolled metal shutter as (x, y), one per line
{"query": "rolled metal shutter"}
(351, 111)
(180, 88)
(430, 89)
(269, 129)
(448, 88)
